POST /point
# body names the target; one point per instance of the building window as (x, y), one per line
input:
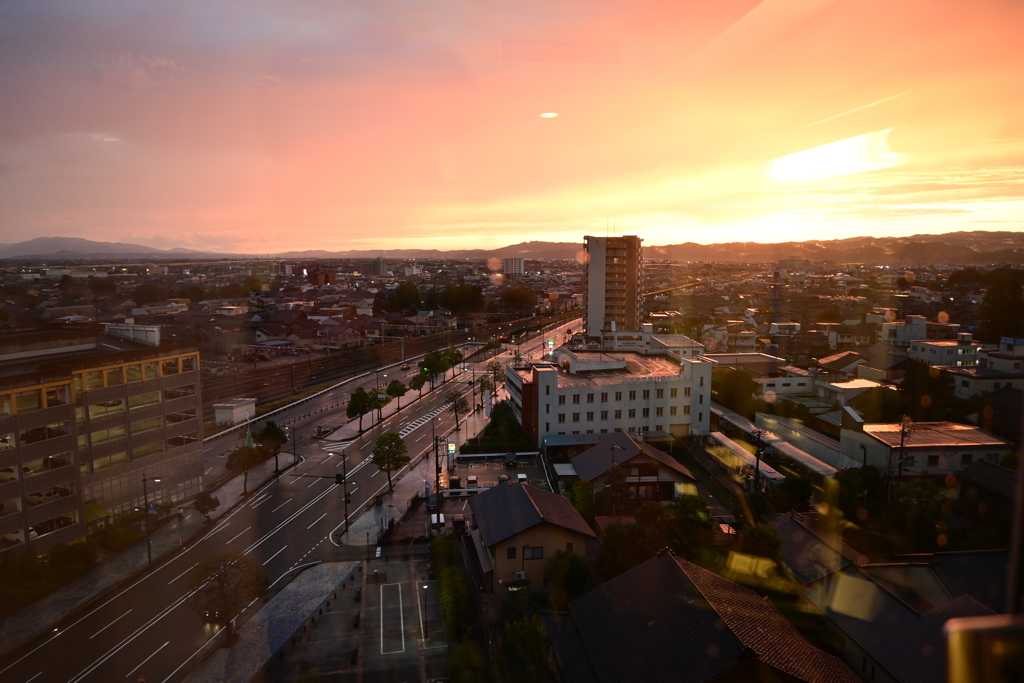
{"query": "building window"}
(686, 391)
(686, 410)
(660, 393)
(575, 417)
(647, 412)
(632, 413)
(561, 417)
(510, 553)
(604, 431)
(590, 398)
(618, 414)
(547, 409)
(966, 459)
(590, 417)
(908, 461)
(604, 414)
(561, 400)
(618, 429)
(702, 381)
(673, 393)
(604, 397)
(700, 417)
(700, 399)
(933, 461)
(547, 391)
(533, 553)
(632, 395)
(547, 426)
(657, 428)
(575, 398)
(618, 395)
(647, 394)
(658, 412)
(992, 457)
(671, 410)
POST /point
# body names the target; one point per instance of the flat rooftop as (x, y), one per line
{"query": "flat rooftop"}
(934, 435)
(637, 366)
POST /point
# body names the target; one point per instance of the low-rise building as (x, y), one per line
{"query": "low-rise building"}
(584, 392)
(946, 353)
(518, 528)
(918, 449)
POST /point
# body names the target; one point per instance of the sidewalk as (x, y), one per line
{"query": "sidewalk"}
(119, 569)
(124, 566)
(407, 485)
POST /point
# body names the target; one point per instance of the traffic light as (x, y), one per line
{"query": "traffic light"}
(339, 479)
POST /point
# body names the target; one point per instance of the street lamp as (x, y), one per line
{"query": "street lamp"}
(145, 507)
(426, 615)
(759, 435)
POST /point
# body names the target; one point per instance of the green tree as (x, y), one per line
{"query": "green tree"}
(582, 497)
(485, 383)
(223, 584)
(518, 298)
(453, 357)
(240, 461)
(964, 277)
(462, 299)
(271, 438)
(456, 401)
(435, 363)
(830, 315)
(252, 284)
(194, 293)
(759, 539)
(66, 284)
(732, 388)
(148, 292)
(359, 404)
(1002, 310)
(205, 504)
(397, 390)
(102, 287)
(390, 454)
(526, 646)
(497, 370)
(693, 528)
(568, 577)
(880, 404)
(417, 382)
(407, 296)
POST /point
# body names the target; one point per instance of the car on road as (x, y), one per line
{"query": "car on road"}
(522, 478)
(472, 482)
(406, 366)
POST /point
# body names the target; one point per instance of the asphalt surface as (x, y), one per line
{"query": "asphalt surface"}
(147, 629)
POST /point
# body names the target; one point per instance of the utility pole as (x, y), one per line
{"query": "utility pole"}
(759, 434)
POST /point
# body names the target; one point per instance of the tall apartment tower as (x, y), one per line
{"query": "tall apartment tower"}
(513, 267)
(380, 266)
(613, 299)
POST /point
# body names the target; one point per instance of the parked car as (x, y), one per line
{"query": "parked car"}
(472, 482)
(7, 473)
(522, 478)
(40, 497)
(510, 460)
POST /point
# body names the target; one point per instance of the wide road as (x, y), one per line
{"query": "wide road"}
(146, 628)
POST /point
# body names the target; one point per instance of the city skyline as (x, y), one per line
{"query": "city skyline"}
(269, 129)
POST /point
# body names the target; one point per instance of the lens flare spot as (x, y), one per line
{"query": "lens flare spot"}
(548, 115)
(867, 152)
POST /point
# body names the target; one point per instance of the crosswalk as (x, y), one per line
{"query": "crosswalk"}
(405, 431)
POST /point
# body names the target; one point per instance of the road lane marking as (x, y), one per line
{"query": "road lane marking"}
(281, 505)
(34, 677)
(109, 625)
(110, 653)
(317, 520)
(182, 574)
(239, 534)
(285, 522)
(147, 659)
(274, 555)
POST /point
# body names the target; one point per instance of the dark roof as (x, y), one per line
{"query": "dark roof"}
(670, 620)
(840, 360)
(978, 573)
(595, 461)
(569, 651)
(990, 476)
(909, 646)
(808, 557)
(503, 511)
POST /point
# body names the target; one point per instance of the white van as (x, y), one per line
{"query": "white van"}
(521, 479)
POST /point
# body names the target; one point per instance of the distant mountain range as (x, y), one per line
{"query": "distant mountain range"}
(956, 248)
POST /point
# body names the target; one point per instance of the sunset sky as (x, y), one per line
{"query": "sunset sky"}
(261, 126)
